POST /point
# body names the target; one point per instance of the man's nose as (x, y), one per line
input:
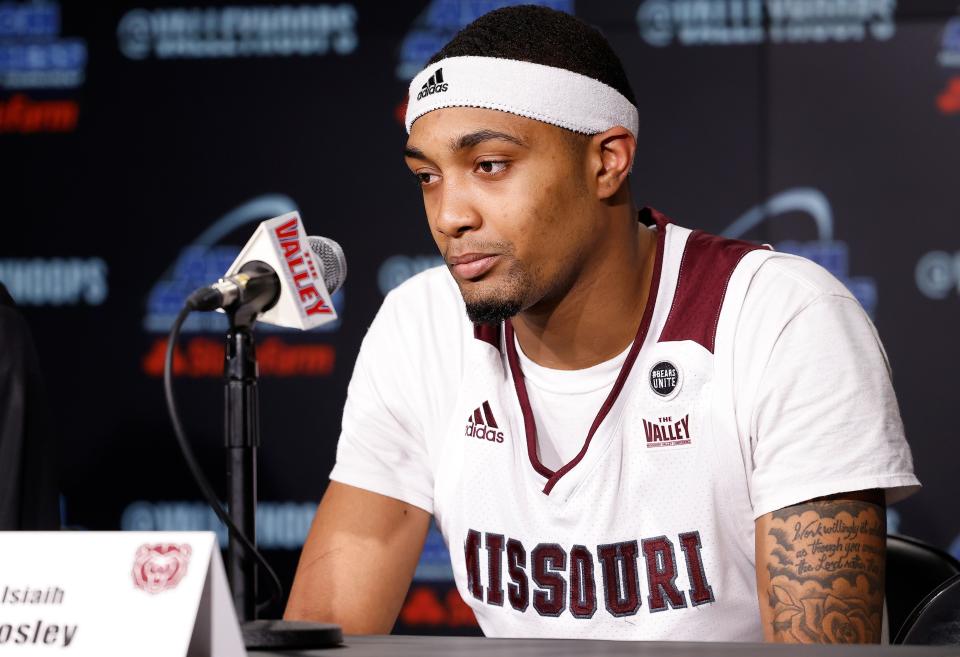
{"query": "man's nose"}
(456, 213)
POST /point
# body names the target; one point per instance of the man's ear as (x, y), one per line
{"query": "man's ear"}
(613, 151)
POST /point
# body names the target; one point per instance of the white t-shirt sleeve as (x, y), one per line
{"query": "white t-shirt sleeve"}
(382, 446)
(825, 418)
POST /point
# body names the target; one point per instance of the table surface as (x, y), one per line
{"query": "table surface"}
(416, 646)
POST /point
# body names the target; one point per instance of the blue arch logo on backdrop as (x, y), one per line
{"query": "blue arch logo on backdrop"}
(833, 255)
(284, 352)
(442, 19)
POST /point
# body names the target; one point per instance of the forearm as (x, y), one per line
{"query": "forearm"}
(358, 561)
(820, 570)
(338, 587)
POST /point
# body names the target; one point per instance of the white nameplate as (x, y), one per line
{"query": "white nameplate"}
(115, 593)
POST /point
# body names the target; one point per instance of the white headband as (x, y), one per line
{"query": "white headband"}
(545, 93)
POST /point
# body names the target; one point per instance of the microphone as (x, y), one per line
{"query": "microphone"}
(281, 277)
(257, 283)
(333, 262)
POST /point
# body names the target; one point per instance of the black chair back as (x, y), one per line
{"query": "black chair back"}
(936, 620)
(914, 570)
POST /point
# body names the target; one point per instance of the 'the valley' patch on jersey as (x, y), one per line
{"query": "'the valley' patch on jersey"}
(719, 414)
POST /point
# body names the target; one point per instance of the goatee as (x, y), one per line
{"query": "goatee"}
(492, 311)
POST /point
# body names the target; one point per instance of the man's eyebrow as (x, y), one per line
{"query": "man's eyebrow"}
(468, 140)
(471, 139)
(414, 152)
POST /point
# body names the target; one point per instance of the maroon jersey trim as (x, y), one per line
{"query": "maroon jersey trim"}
(706, 266)
(530, 425)
(489, 333)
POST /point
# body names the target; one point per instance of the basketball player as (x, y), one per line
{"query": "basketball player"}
(624, 429)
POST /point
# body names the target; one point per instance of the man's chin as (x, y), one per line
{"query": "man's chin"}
(492, 298)
(491, 311)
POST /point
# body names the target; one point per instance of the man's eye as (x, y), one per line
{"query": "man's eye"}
(492, 166)
(424, 178)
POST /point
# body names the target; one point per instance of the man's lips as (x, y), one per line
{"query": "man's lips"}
(472, 265)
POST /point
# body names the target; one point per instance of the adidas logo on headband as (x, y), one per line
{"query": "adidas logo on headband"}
(434, 85)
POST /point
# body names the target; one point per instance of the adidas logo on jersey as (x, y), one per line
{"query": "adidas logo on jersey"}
(483, 425)
(434, 85)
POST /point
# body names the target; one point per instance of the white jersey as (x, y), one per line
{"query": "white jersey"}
(755, 382)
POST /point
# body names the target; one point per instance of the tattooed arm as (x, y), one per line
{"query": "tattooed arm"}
(820, 569)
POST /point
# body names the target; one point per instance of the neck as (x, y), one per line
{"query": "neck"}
(597, 317)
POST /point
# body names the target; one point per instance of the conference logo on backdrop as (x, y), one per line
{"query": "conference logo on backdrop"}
(55, 282)
(831, 254)
(746, 22)
(948, 100)
(238, 31)
(281, 352)
(938, 274)
(34, 57)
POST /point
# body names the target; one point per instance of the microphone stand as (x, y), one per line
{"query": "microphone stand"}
(241, 420)
(242, 436)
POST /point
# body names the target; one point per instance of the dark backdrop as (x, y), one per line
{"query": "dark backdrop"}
(141, 144)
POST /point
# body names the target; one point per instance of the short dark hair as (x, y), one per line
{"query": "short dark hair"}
(540, 35)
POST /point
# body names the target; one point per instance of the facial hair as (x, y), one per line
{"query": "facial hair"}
(492, 311)
(497, 305)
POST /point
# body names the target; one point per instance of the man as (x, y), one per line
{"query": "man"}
(607, 420)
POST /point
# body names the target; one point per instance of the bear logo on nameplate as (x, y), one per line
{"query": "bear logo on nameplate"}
(160, 567)
(100, 593)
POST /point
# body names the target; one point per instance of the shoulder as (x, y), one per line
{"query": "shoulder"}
(795, 307)
(783, 301)
(784, 285)
(710, 261)
(711, 273)
(808, 276)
